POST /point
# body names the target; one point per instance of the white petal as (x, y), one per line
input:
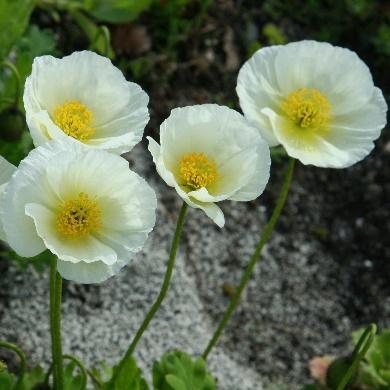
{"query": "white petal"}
(87, 249)
(6, 171)
(119, 107)
(87, 273)
(28, 184)
(213, 212)
(56, 171)
(339, 74)
(155, 150)
(350, 137)
(259, 177)
(226, 138)
(211, 209)
(257, 87)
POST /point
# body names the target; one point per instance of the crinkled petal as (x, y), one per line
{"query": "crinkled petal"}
(257, 87)
(6, 171)
(87, 249)
(27, 185)
(119, 107)
(88, 273)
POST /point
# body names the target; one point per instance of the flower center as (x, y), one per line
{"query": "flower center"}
(74, 119)
(197, 171)
(79, 216)
(307, 107)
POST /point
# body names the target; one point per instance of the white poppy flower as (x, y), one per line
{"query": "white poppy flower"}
(6, 171)
(317, 100)
(84, 205)
(210, 153)
(84, 97)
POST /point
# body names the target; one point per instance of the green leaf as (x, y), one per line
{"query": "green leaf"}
(130, 378)
(14, 17)
(33, 378)
(39, 262)
(7, 380)
(117, 11)
(72, 378)
(337, 370)
(34, 42)
(91, 30)
(178, 371)
(376, 369)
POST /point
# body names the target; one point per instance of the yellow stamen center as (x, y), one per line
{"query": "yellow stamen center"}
(79, 216)
(74, 119)
(307, 107)
(197, 171)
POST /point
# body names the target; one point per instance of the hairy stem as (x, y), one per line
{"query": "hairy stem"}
(161, 295)
(55, 324)
(255, 257)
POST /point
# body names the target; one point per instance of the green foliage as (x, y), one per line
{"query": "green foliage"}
(39, 262)
(31, 380)
(278, 154)
(375, 369)
(34, 42)
(274, 34)
(15, 141)
(171, 23)
(73, 380)
(382, 39)
(7, 380)
(116, 11)
(130, 378)
(337, 371)
(177, 371)
(94, 33)
(14, 16)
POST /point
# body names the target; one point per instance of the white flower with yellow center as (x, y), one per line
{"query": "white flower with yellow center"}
(6, 171)
(83, 97)
(317, 100)
(84, 205)
(210, 153)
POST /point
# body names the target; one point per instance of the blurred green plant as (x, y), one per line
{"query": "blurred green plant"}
(14, 17)
(367, 368)
(177, 371)
(375, 369)
(39, 262)
(130, 377)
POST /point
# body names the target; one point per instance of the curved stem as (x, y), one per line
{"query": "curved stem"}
(97, 381)
(161, 296)
(104, 32)
(55, 324)
(22, 357)
(360, 351)
(256, 255)
(83, 370)
(47, 376)
(17, 78)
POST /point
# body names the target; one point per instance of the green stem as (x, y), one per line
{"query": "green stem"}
(103, 32)
(255, 257)
(17, 78)
(160, 298)
(22, 357)
(55, 324)
(360, 351)
(97, 381)
(83, 371)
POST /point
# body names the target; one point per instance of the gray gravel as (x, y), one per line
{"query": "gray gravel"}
(321, 276)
